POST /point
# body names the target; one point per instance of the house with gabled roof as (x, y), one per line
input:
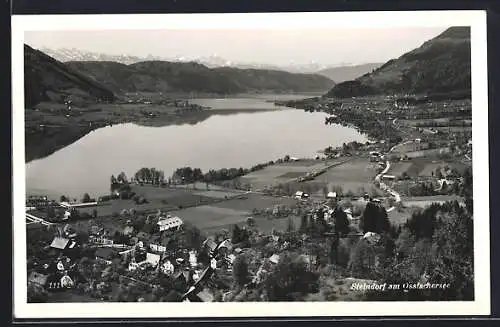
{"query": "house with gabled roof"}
(275, 258)
(152, 259)
(209, 245)
(62, 243)
(106, 255)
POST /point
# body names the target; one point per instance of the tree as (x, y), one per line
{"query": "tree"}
(122, 178)
(304, 223)
(325, 191)
(362, 259)
(86, 198)
(374, 219)
(286, 158)
(236, 235)
(443, 254)
(63, 198)
(334, 249)
(341, 222)
(422, 224)
(240, 270)
(290, 279)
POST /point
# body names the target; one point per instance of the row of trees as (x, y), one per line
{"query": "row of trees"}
(192, 175)
(150, 175)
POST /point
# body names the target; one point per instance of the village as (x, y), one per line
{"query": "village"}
(230, 235)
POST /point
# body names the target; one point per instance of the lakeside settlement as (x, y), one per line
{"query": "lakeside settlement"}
(288, 229)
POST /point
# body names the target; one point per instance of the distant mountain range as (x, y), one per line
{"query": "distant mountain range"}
(346, 73)
(441, 65)
(47, 79)
(165, 76)
(214, 61)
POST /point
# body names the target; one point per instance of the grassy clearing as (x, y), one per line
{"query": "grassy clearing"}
(280, 173)
(116, 206)
(455, 129)
(407, 147)
(254, 201)
(352, 176)
(210, 217)
(292, 174)
(429, 169)
(261, 223)
(398, 168)
(214, 194)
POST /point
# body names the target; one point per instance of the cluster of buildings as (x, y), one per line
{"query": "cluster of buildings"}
(58, 270)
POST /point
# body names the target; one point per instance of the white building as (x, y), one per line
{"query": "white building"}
(332, 195)
(275, 258)
(193, 260)
(213, 263)
(301, 195)
(152, 259)
(170, 223)
(158, 247)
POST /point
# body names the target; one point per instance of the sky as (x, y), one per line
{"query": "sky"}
(265, 46)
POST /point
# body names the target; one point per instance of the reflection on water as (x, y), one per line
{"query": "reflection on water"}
(218, 141)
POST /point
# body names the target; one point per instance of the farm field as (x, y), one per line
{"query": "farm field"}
(254, 201)
(424, 167)
(223, 215)
(415, 122)
(399, 168)
(116, 206)
(411, 204)
(262, 223)
(455, 129)
(280, 173)
(216, 194)
(209, 217)
(425, 201)
(429, 169)
(160, 198)
(351, 176)
(407, 147)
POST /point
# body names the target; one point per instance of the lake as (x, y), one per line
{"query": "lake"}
(220, 141)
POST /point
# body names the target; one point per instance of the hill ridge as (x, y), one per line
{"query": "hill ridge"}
(167, 76)
(440, 65)
(47, 79)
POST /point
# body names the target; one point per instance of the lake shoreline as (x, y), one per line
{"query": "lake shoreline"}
(46, 133)
(224, 138)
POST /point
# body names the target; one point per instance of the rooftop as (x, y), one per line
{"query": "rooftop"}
(59, 243)
(105, 253)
